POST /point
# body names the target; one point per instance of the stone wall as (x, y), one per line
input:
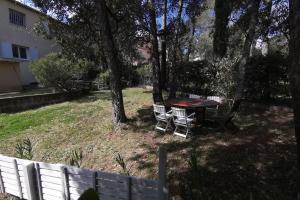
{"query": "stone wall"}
(15, 104)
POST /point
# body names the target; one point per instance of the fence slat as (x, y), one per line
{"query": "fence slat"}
(49, 179)
(81, 179)
(76, 184)
(49, 197)
(8, 170)
(6, 164)
(18, 179)
(11, 191)
(51, 173)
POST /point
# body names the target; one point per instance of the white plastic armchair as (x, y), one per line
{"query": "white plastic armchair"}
(183, 122)
(222, 111)
(195, 96)
(216, 98)
(162, 117)
(212, 112)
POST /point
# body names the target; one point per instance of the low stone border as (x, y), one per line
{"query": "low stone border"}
(21, 103)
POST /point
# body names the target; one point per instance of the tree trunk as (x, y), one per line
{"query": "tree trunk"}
(111, 54)
(266, 48)
(191, 39)
(253, 9)
(164, 47)
(266, 42)
(176, 54)
(223, 9)
(294, 52)
(157, 93)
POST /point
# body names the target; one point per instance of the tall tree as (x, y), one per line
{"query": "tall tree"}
(112, 58)
(266, 22)
(294, 52)
(164, 46)
(176, 57)
(157, 92)
(193, 10)
(223, 9)
(253, 19)
(88, 30)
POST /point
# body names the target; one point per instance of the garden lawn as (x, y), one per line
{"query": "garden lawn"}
(257, 162)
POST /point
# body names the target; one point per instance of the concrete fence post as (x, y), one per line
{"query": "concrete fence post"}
(64, 183)
(162, 174)
(30, 181)
(18, 178)
(2, 189)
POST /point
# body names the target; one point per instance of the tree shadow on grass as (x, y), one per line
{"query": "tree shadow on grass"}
(259, 162)
(144, 121)
(94, 96)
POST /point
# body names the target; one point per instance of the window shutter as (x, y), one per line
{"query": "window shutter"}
(34, 54)
(6, 50)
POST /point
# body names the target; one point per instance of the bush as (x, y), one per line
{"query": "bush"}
(267, 77)
(131, 76)
(196, 77)
(55, 70)
(144, 74)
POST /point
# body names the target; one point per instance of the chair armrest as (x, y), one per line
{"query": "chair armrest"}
(169, 112)
(191, 115)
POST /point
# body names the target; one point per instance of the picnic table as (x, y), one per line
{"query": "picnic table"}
(195, 105)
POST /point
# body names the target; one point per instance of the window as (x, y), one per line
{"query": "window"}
(16, 17)
(19, 51)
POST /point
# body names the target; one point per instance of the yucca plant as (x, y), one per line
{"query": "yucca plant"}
(120, 160)
(24, 149)
(76, 158)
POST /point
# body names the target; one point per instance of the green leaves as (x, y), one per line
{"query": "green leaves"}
(76, 158)
(24, 149)
(55, 70)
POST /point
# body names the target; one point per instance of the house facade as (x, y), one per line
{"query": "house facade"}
(19, 44)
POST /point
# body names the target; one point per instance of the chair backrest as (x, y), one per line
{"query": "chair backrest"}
(159, 110)
(225, 108)
(216, 98)
(178, 112)
(195, 96)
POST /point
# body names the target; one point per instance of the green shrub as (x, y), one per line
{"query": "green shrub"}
(76, 158)
(144, 74)
(55, 70)
(24, 149)
(267, 77)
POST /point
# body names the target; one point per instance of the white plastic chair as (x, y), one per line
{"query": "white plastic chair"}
(212, 111)
(162, 117)
(182, 121)
(195, 96)
(221, 111)
(216, 98)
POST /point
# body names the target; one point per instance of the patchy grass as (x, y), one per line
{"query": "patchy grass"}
(258, 161)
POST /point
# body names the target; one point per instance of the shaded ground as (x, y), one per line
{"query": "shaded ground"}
(258, 162)
(34, 91)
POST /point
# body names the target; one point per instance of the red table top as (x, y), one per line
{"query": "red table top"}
(192, 103)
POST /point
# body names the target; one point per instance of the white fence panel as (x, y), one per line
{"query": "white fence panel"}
(41, 181)
(12, 176)
(50, 181)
